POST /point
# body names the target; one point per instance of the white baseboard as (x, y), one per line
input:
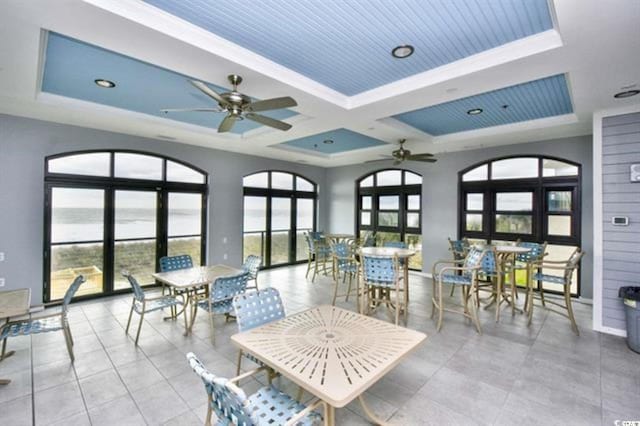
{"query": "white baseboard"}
(421, 274)
(610, 330)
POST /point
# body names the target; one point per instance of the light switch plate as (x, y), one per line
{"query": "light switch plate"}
(1, 256)
(1, 282)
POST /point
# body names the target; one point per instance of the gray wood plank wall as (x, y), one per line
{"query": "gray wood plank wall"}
(621, 244)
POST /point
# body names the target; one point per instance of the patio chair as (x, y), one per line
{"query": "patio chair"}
(319, 251)
(344, 262)
(219, 299)
(567, 267)
(44, 323)
(459, 250)
(267, 406)
(175, 263)
(523, 262)
(252, 266)
(463, 273)
(256, 308)
(142, 304)
(380, 277)
(369, 240)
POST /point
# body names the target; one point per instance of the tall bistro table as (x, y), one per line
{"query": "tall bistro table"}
(332, 353)
(402, 254)
(505, 256)
(190, 279)
(13, 303)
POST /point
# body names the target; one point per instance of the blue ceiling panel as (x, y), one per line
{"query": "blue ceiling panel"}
(343, 140)
(71, 67)
(542, 98)
(346, 44)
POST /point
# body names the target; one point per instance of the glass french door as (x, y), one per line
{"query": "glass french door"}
(77, 239)
(134, 236)
(280, 230)
(99, 232)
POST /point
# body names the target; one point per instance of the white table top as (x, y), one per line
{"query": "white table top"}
(333, 353)
(195, 277)
(512, 249)
(14, 303)
(387, 251)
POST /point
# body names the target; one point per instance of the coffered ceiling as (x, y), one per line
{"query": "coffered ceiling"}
(536, 70)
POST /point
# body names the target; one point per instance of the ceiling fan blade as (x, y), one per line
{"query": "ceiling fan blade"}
(167, 110)
(420, 156)
(227, 124)
(269, 104)
(207, 91)
(424, 160)
(268, 121)
(397, 162)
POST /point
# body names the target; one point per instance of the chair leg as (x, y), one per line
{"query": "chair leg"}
(4, 348)
(397, 313)
(213, 334)
(130, 314)
(67, 339)
(541, 291)
(349, 287)
(315, 269)
(239, 362)
(433, 296)
(474, 311)
(440, 306)
(308, 266)
(208, 419)
(70, 335)
(335, 293)
(453, 290)
(300, 394)
(567, 298)
(139, 327)
(498, 297)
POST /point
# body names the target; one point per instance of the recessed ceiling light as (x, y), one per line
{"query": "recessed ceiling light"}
(505, 106)
(327, 141)
(626, 94)
(106, 84)
(403, 51)
(475, 111)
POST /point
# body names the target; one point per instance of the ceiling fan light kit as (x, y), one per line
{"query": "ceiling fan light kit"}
(401, 155)
(239, 106)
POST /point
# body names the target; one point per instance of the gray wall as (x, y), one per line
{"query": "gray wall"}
(620, 149)
(440, 194)
(24, 144)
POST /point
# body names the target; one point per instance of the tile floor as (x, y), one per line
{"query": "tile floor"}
(512, 374)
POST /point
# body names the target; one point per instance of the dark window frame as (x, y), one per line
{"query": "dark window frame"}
(403, 191)
(540, 186)
(110, 184)
(269, 193)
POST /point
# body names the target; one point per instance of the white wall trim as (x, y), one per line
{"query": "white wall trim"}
(598, 217)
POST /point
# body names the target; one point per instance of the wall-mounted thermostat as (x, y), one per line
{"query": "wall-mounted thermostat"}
(634, 175)
(620, 221)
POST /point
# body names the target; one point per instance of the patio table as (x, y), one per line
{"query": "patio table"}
(332, 353)
(190, 279)
(505, 255)
(13, 303)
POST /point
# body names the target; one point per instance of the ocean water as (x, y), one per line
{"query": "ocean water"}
(86, 224)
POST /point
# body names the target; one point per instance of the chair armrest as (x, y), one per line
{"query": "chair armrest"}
(555, 267)
(247, 374)
(458, 268)
(444, 262)
(302, 414)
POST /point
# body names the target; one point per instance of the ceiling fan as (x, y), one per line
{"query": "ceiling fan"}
(399, 155)
(239, 106)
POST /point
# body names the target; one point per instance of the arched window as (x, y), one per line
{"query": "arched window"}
(279, 207)
(527, 198)
(389, 205)
(106, 211)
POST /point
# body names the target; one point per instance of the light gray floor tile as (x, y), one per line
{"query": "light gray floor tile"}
(91, 363)
(56, 373)
(20, 385)
(420, 411)
(139, 374)
(185, 419)
(101, 388)
(17, 412)
(120, 411)
(58, 403)
(159, 403)
(80, 419)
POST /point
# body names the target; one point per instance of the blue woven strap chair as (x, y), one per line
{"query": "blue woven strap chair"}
(369, 240)
(524, 261)
(380, 278)
(266, 407)
(566, 268)
(44, 323)
(256, 308)
(175, 263)
(252, 266)
(220, 298)
(344, 262)
(464, 274)
(396, 244)
(319, 252)
(459, 250)
(142, 304)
